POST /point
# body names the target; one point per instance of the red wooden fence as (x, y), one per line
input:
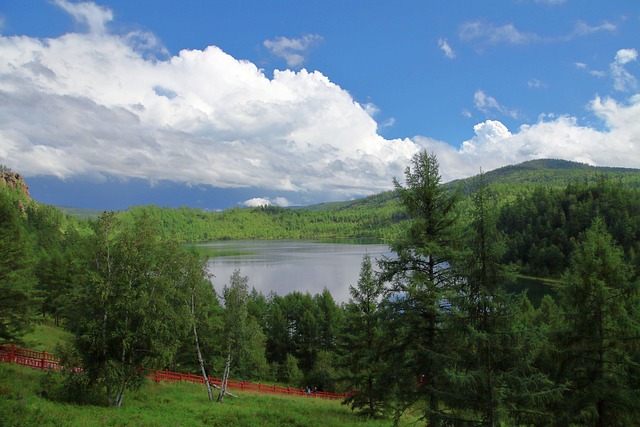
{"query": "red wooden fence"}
(32, 358)
(243, 385)
(44, 360)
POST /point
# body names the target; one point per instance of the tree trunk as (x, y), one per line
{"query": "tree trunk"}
(120, 395)
(434, 416)
(225, 377)
(195, 335)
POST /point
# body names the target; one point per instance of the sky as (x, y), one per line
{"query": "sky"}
(114, 103)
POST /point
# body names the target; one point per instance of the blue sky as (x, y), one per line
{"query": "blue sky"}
(109, 104)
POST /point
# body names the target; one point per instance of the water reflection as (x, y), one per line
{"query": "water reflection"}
(284, 266)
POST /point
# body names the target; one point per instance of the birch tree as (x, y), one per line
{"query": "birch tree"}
(129, 314)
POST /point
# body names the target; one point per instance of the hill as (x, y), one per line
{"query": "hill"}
(507, 180)
(552, 173)
(379, 216)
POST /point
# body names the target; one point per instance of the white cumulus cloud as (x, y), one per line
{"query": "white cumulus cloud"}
(265, 201)
(97, 104)
(494, 145)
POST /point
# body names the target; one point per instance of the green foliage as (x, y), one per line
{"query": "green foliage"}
(132, 307)
(419, 278)
(492, 375)
(543, 225)
(363, 341)
(599, 337)
(17, 298)
(373, 220)
(446, 339)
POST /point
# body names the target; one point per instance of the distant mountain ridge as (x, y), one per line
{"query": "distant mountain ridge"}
(540, 164)
(507, 180)
(549, 173)
(512, 178)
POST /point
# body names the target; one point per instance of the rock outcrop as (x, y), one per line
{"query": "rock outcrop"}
(12, 180)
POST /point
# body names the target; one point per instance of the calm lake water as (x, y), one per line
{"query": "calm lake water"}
(284, 266)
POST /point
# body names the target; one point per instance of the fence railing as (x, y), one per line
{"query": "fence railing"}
(44, 360)
(243, 385)
(26, 357)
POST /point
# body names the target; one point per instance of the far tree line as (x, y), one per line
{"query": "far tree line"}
(432, 329)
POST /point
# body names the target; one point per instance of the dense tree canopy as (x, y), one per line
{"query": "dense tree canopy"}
(132, 307)
(17, 296)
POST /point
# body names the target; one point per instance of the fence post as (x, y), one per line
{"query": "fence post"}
(13, 353)
(44, 356)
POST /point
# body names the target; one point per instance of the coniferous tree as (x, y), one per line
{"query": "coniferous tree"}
(17, 299)
(363, 342)
(492, 376)
(419, 278)
(601, 305)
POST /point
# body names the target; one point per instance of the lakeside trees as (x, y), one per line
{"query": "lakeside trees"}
(130, 309)
(444, 337)
(363, 344)
(418, 280)
(600, 299)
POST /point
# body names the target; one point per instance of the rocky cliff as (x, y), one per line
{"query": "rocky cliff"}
(12, 180)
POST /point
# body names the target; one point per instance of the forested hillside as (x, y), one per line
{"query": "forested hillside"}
(435, 332)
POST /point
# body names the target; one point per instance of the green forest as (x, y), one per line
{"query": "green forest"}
(432, 330)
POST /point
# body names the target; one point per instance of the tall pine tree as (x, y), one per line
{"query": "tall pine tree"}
(601, 335)
(419, 278)
(363, 341)
(491, 375)
(17, 302)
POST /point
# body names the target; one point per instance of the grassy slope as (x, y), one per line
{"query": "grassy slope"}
(22, 403)
(45, 336)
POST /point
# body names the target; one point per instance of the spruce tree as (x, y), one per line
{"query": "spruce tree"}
(601, 334)
(363, 341)
(17, 302)
(492, 377)
(418, 279)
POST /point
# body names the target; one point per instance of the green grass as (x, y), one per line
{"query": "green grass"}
(23, 403)
(45, 336)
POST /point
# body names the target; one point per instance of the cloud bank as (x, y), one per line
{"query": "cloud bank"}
(94, 104)
(99, 104)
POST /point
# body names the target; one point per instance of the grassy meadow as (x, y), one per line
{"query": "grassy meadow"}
(25, 400)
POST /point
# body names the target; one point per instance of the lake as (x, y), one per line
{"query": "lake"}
(284, 266)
